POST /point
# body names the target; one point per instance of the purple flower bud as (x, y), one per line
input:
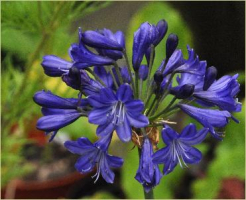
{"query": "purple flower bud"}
(97, 40)
(162, 30)
(125, 74)
(143, 72)
(55, 66)
(73, 78)
(141, 43)
(171, 45)
(183, 92)
(158, 77)
(210, 77)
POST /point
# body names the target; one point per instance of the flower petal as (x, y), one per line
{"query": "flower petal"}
(124, 93)
(124, 131)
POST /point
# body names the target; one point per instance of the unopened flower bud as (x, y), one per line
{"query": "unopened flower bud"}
(171, 45)
(158, 77)
(210, 77)
(183, 92)
(143, 72)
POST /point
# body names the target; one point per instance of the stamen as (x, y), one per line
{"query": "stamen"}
(118, 112)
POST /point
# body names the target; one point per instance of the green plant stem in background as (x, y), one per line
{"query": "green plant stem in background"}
(150, 67)
(117, 69)
(114, 80)
(129, 70)
(136, 84)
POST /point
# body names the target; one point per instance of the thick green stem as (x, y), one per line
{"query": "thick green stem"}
(149, 195)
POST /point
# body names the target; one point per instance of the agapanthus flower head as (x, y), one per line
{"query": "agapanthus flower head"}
(130, 100)
(179, 147)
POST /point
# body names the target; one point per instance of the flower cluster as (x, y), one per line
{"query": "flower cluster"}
(129, 101)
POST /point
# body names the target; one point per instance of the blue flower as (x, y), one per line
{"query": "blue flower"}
(141, 43)
(192, 71)
(106, 40)
(125, 74)
(176, 60)
(119, 38)
(58, 112)
(222, 94)
(105, 76)
(117, 112)
(208, 118)
(54, 66)
(143, 72)
(92, 155)
(148, 173)
(179, 147)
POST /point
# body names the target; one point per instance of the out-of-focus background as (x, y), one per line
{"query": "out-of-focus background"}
(33, 168)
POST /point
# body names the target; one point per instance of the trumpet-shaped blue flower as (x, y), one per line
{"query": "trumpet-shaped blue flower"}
(92, 155)
(208, 118)
(104, 39)
(119, 38)
(222, 94)
(54, 66)
(117, 112)
(58, 112)
(148, 173)
(179, 147)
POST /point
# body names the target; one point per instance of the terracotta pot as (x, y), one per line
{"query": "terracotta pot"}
(51, 189)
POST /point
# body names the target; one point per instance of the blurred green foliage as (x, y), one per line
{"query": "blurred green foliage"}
(30, 30)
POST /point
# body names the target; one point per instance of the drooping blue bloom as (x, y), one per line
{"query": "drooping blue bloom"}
(176, 60)
(92, 155)
(208, 118)
(117, 112)
(148, 173)
(222, 93)
(107, 40)
(54, 66)
(84, 58)
(119, 38)
(58, 112)
(192, 71)
(179, 147)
